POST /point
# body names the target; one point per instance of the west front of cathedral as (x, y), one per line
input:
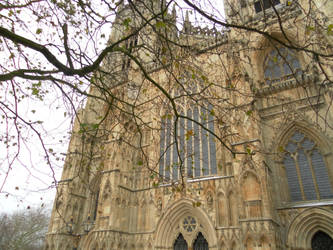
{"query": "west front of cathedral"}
(210, 139)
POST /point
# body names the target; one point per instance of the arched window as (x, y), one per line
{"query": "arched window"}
(196, 145)
(200, 243)
(180, 243)
(307, 174)
(280, 64)
(321, 241)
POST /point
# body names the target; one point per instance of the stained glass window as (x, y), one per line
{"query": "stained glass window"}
(180, 243)
(200, 243)
(189, 224)
(281, 64)
(307, 174)
(196, 145)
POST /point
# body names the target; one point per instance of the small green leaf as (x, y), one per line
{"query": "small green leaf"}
(248, 150)
(330, 30)
(249, 112)
(309, 29)
(95, 126)
(38, 31)
(127, 21)
(160, 24)
(35, 91)
(140, 162)
(155, 184)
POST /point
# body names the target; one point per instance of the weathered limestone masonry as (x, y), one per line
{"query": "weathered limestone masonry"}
(281, 197)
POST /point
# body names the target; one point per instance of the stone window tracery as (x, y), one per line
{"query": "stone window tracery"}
(196, 151)
(189, 224)
(280, 64)
(307, 174)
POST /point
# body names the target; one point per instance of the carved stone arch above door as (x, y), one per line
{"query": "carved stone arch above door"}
(183, 218)
(305, 226)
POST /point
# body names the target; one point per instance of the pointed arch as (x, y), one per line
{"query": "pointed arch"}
(222, 215)
(233, 210)
(200, 243)
(267, 46)
(251, 192)
(306, 225)
(306, 128)
(180, 243)
(303, 156)
(321, 240)
(168, 226)
(280, 64)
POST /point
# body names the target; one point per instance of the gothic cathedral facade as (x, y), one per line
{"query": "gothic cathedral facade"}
(224, 142)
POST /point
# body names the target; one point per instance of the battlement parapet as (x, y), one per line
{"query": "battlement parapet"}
(199, 41)
(193, 43)
(206, 32)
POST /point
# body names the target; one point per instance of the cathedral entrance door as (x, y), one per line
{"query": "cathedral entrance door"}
(321, 241)
(200, 243)
(180, 243)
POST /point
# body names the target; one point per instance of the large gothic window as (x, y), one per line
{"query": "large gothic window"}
(321, 241)
(200, 243)
(280, 64)
(186, 144)
(307, 173)
(180, 243)
(196, 146)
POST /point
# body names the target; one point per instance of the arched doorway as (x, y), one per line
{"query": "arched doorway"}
(180, 243)
(200, 243)
(183, 218)
(321, 241)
